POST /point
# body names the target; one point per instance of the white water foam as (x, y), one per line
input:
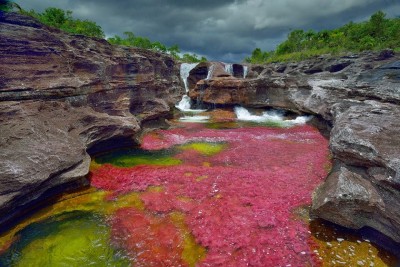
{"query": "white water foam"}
(184, 71)
(210, 72)
(245, 71)
(195, 118)
(185, 103)
(229, 68)
(243, 114)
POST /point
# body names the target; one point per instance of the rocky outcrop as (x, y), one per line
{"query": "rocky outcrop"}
(359, 97)
(363, 188)
(62, 96)
(205, 71)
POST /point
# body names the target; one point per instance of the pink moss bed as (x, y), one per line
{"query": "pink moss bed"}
(239, 203)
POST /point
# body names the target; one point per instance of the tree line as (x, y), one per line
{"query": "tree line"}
(63, 20)
(377, 33)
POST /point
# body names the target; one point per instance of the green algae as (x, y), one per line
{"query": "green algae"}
(90, 201)
(192, 252)
(204, 148)
(133, 157)
(69, 239)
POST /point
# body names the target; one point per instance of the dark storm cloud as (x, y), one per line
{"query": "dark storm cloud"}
(220, 30)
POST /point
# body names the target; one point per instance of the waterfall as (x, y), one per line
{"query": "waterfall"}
(210, 72)
(229, 68)
(273, 116)
(185, 103)
(245, 71)
(185, 70)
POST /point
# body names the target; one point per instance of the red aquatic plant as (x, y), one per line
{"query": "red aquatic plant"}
(150, 241)
(238, 203)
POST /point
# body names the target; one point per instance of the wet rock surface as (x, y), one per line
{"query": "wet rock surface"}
(358, 95)
(363, 189)
(62, 95)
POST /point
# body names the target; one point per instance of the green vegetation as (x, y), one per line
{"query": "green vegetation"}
(5, 5)
(63, 20)
(143, 42)
(133, 157)
(377, 33)
(70, 239)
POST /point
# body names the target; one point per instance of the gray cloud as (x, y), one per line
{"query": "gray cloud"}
(220, 30)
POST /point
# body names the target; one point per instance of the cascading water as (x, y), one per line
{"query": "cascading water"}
(245, 71)
(272, 116)
(229, 68)
(184, 104)
(210, 72)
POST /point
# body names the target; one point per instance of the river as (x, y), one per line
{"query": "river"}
(218, 192)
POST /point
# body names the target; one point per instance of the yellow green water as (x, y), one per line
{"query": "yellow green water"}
(74, 232)
(204, 148)
(337, 247)
(133, 157)
(69, 239)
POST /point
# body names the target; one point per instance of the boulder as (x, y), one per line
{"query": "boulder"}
(198, 73)
(363, 188)
(206, 71)
(64, 96)
(220, 90)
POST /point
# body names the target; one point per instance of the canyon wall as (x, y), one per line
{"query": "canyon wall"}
(62, 96)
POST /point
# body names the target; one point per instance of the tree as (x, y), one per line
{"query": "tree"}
(174, 51)
(55, 17)
(377, 33)
(192, 58)
(63, 20)
(84, 27)
(159, 47)
(5, 5)
(142, 42)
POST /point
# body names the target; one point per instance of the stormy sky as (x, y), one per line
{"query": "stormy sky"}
(223, 30)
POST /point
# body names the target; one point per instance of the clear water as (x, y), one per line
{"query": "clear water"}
(222, 193)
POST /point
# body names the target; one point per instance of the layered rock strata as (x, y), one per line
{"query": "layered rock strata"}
(358, 96)
(63, 95)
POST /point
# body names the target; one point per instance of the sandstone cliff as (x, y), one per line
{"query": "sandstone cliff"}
(358, 98)
(63, 95)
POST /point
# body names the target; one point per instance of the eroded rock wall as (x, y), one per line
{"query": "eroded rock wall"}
(62, 95)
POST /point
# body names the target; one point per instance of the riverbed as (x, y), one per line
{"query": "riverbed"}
(209, 191)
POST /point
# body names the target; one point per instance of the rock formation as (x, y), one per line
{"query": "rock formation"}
(63, 95)
(358, 97)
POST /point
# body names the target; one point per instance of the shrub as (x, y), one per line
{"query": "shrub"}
(375, 34)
